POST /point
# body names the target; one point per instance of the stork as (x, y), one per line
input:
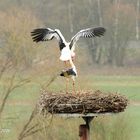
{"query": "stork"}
(70, 73)
(66, 48)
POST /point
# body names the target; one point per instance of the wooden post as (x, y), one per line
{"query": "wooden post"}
(84, 132)
(84, 129)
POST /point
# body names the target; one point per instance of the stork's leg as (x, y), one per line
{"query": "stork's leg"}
(74, 91)
(71, 64)
(67, 81)
(73, 85)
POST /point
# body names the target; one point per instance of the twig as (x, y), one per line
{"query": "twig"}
(95, 102)
(23, 132)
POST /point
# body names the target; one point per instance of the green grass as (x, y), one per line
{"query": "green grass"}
(22, 100)
(133, 113)
(126, 85)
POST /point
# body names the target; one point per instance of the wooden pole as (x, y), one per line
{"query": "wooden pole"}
(84, 129)
(83, 132)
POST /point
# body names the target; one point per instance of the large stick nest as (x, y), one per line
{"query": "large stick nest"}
(83, 102)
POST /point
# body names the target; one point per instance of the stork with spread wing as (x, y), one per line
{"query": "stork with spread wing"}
(66, 48)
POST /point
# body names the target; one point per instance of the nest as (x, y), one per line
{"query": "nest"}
(83, 102)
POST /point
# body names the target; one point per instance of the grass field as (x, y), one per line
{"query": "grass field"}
(22, 100)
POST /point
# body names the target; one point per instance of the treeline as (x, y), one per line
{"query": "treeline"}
(121, 18)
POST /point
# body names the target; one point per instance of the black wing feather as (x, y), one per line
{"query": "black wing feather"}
(41, 34)
(46, 34)
(87, 33)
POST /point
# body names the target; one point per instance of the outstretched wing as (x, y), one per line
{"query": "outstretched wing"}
(42, 34)
(87, 33)
(46, 34)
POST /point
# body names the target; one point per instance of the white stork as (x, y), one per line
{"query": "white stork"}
(66, 48)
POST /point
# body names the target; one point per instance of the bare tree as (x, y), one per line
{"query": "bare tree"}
(120, 31)
(92, 44)
(137, 19)
(8, 68)
(70, 15)
(17, 44)
(116, 23)
(100, 47)
(27, 129)
(9, 90)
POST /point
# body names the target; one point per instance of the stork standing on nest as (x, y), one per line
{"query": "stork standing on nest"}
(70, 73)
(66, 48)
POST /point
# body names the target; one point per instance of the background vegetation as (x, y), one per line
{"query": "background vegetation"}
(110, 63)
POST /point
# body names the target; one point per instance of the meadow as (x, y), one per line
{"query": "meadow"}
(23, 99)
(110, 64)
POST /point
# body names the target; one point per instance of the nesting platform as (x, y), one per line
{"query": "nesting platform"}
(83, 102)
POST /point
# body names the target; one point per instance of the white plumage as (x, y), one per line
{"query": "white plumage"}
(65, 53)
(66, 48)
